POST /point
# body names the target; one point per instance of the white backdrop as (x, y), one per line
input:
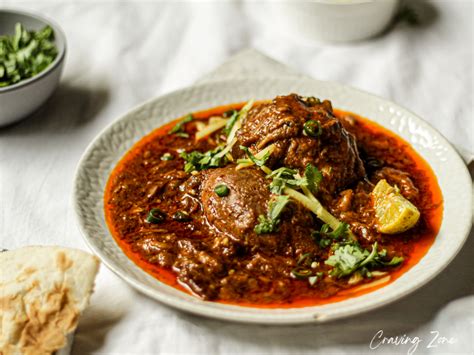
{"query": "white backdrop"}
(122, 53)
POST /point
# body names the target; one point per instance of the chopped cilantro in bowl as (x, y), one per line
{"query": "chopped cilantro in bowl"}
(25, 54)
(32, 56)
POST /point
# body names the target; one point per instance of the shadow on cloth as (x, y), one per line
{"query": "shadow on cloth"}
(418, 14)
(98, 326)
(109, 304)
(69, 107)
(401, 317)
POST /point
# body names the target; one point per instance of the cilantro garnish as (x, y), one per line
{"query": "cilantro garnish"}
(178, 129)
(25, 54)
(283, 177)
(269, 223)
(196, 160)
(286, 177)
(325, 238)
(346, 259)
(351, 257)
(313, 177)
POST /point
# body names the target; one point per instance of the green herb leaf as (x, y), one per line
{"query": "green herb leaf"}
(325, 238)
(346, 259)
(221, 190)
(268, 224)
(371, 256)
(351, 257)
(313, 177)
(340, 232)
(396, 260)
(256, 161)
(167, 156)
(265, 225)
(25, 54)
(277, 207)
(283, 177)
(179, 127)
(324, 242)
(380, 259)
(196, 161)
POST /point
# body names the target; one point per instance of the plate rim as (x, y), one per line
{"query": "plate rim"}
(228, 312)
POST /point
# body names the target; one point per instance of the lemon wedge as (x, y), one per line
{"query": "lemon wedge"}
(394, 213)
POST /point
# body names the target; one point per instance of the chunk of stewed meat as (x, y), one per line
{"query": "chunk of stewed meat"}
(198, 268)
(231, 219)
(237, 213)
(282, 122)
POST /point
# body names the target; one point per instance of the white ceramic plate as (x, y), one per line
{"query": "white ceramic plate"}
(106, 150)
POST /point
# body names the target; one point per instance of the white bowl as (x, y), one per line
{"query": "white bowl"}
(23, 98)
(108, 148)
(334, 20)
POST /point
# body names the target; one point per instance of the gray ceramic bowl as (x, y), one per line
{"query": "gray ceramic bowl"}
(21, 99)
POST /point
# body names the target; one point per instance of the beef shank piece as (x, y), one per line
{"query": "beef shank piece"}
(281, 122)
(236, 214)
(231, 220)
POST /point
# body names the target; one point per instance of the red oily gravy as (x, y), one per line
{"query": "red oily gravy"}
(369, 135)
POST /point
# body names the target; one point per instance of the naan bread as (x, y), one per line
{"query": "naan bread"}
(43, 290)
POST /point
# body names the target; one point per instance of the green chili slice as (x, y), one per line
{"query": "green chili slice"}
(303, 259)
(312, 101)
(312, 128)
(301, 273)
(221, 190)
(155, 216)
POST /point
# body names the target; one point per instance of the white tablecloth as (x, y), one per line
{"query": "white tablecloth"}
(122, 53)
